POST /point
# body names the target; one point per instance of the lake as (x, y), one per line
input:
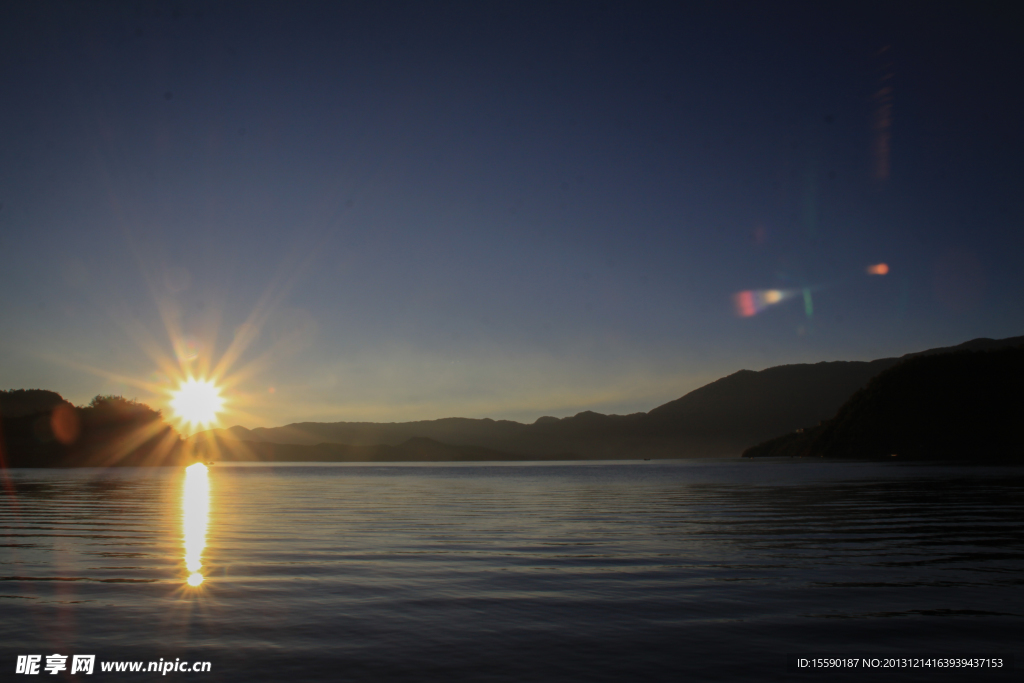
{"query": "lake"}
(597, 571)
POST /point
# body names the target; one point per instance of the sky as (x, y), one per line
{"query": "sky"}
(390, 211)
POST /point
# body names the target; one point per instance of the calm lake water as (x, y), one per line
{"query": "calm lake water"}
(630, 571)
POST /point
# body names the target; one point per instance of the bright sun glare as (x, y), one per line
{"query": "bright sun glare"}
(197, 402)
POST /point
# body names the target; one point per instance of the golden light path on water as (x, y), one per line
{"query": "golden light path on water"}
(195, 509)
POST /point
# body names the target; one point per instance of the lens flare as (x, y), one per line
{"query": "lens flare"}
(808, 303)
(883, 116)
(751, 302)
(195, 508)
(878, 269)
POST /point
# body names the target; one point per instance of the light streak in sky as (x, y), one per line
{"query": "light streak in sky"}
(883, 117)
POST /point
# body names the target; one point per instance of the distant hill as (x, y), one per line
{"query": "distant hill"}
(40, 429)
(726, 417)
(719, 419)
(958, 406)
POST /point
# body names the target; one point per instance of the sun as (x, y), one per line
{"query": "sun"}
(197, 402)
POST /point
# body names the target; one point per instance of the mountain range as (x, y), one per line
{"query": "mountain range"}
(964, 406)
(722, 418)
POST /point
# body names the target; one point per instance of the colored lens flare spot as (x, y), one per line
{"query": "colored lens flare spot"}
(752, 301)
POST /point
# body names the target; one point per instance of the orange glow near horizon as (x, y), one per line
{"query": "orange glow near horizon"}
(197, 381)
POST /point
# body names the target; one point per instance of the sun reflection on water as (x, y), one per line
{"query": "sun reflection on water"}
(195, 504)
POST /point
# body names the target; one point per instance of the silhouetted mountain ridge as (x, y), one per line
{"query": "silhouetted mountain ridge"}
(965, 405)
(876, 414)
(719, 419)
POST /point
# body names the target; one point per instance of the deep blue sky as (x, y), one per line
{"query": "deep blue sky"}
(407, 210)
